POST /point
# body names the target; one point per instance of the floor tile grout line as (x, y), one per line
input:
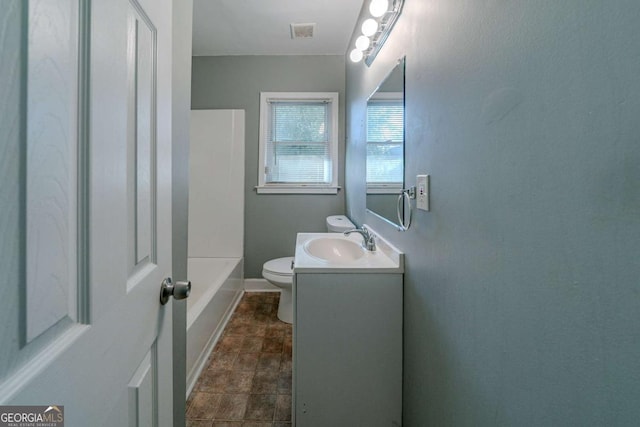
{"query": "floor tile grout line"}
(262, 312)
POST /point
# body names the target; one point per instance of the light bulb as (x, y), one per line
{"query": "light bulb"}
(378, 7)
(356, 55)
(362, 42)
(369, 27)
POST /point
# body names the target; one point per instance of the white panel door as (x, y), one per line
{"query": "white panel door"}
(85, 209)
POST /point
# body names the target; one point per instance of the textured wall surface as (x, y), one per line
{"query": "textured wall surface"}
(522, 297)
(271, 220)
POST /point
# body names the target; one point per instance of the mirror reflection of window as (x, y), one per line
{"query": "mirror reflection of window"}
(385, 136)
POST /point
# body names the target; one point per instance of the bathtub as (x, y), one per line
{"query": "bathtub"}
(216, 288)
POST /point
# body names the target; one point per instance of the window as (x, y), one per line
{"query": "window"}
(385, 137)
(298, 143)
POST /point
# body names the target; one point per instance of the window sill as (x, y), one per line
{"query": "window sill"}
(296, 189)
(384, 188)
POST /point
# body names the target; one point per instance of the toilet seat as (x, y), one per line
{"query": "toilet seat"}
(279, 266)
(278, 270)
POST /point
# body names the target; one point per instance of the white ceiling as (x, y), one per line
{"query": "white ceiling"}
(262, 27)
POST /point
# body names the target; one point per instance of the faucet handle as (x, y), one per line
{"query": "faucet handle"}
(371, 243)
(369, 240)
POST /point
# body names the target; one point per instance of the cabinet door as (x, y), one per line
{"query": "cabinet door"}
(348, 350)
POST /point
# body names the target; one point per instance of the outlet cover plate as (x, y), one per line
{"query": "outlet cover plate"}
(422, 192)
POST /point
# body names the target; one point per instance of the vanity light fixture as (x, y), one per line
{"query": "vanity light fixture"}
(376, 29)
(369, 27)
(362, 43)
(378, 7)
(356, 55)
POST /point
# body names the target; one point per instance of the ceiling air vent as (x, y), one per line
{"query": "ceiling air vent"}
(302, 31)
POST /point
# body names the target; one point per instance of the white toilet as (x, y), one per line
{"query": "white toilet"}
(279, 271)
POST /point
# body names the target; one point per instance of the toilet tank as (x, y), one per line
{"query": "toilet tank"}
(339, 224)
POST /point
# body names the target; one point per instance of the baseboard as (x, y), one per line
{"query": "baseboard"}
(259, 285)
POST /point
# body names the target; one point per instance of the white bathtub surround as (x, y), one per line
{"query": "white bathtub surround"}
(216, 184)
(216, 230)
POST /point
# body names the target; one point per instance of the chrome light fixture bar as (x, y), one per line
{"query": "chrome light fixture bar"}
(376, 29)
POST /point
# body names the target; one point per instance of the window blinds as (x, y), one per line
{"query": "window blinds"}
(298, 148)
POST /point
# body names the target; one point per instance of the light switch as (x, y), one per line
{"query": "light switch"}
(422, 192)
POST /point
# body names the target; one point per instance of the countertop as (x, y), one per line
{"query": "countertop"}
(386, 258)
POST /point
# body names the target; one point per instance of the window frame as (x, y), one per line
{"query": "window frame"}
(263, 187)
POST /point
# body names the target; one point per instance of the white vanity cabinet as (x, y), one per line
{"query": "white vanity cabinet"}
(347, 347)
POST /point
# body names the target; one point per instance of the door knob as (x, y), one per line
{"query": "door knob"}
(180, 290)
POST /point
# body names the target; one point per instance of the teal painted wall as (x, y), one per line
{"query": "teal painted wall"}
(522, 286)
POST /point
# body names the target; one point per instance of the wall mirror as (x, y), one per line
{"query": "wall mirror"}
(385, 145)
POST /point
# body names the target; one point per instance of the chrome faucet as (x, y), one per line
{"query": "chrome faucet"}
(369, 242)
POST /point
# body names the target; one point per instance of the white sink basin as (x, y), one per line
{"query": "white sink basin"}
(337, 253)
(334, 249)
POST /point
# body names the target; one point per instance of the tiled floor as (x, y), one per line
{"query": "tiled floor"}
(248, 380)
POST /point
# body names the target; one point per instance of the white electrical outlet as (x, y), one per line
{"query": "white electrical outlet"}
(422, 192)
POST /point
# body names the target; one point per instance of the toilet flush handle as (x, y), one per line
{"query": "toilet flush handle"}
(292, 262)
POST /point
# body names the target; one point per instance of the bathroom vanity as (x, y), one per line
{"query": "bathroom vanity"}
(347, 342)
